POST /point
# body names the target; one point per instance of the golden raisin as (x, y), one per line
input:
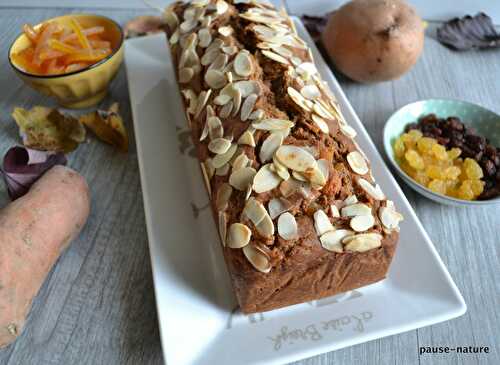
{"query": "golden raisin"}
(414, 159)
(437, 186)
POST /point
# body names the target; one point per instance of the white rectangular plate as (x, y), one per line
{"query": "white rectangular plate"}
(199, 320)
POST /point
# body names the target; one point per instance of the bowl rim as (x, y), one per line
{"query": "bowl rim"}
(409, 180)
(94, 65)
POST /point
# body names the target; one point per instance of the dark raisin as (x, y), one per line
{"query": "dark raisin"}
(488, 166)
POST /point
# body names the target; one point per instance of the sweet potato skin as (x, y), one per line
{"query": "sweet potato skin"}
(34, 231)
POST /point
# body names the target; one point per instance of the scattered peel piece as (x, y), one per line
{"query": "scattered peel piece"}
(47, 129)
(107, 126)
(23, 166)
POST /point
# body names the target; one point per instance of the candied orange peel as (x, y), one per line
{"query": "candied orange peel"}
(440, 170)
(58, 49)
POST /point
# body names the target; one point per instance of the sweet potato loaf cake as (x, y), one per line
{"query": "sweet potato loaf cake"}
(299, 214)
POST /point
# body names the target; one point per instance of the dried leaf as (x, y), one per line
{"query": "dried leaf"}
(469, 32)
(47, 129)
(107, 126)
(23, 166)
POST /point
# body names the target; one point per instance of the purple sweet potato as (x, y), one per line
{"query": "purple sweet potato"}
(34, 231)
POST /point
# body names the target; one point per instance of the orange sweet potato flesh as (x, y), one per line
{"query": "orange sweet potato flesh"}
(34, 230)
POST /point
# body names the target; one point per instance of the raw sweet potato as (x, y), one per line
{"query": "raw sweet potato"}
(34, 231)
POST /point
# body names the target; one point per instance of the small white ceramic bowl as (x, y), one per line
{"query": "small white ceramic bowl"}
(484, 121)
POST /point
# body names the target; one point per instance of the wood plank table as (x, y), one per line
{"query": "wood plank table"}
(98, 306)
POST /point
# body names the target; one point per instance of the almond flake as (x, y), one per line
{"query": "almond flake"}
(287, 226)
(265, 227)
(236, 101)
(357, 163)
(363, 242)
(219, 63)
(256, 114)
(226, 31)
(185, 74)
(348, 130)
(204, 133)
(219, 145)
(222, 171)
(215, 79)
(324, 167)
(205, 38)
(222, 159)
(374, 191)
(296, 61)
(307, 68)
(240, 162)
(226, 110)
(222, 227)
(247, 106)
(223, 196)
(221, 6)
(334, 211)
(322, 112)
(362, 223)
(352, 199)
(298, 98)
(174, 38)
(202, 101)
(254, 211)
(230, 50)
(188, 25)
(206, 178)
(277, 206)
(299, 176)
(215, 129)
(310, 92)
(272, 124)
(243, 64)
(282, 51)
(322, 223)
(258, 260)
(332, 240)
(320, 122)
(209, 56)
(247, 139)
(206, 21)
(355, 210)
(295, 158)
(170, 18)
(265, 180)
(241, 178)
(275, 57)
(222, 99)
(238, 235)
(248, 87)
(389, 217)
(269, 147)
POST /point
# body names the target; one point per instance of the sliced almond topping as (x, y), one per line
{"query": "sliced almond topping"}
(272, 124)
(204, 133)
(275, 57)
(389, 217)
(236, 101)
(221, 7)
(188, 25)
(174, 38)
(215, 129)
(322, 223)
(362, 223)
(229, 76)
(230, 50)
(363, 242)
(265, 180)
(240, 162)
(241, 178)
(206, 21)
(370, 235)
(357, 163)
(219, 63)
(223, 196)
(222, 227)
(238, 235)
(254, 211)
(282, 51)
(215, 79)
(332, 240)
(310, 92)
(216, 44)
(265, 227)
(206, 178)
(284, 174)
(298, 98)
(298, 176)
(287, 226)
(277, 206)
(226, 31)
(247, 139)
(258, 260)
(243, 64)
(170, 18)
(205, 38)
(306, 68)
(295, 158)
(355, 210)
(296, 61)
(320, 122)
(348, 130)
(352, 199)
(222, 99)
(324, 167)
(316, 177)
(248, 87)
(334, 211)
(321, 111)
(256, 114)
(185, 74)
(374, 191)
(222, 159)
(202, 101)
(269, 147)
(247, 106)
(219, 145)
(226, 110)
(223, 170)
(210, 56)
(290, 187)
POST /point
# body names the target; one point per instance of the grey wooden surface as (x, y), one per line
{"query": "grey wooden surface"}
(98, 306)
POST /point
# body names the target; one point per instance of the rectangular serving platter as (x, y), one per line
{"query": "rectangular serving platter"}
(198, 315)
